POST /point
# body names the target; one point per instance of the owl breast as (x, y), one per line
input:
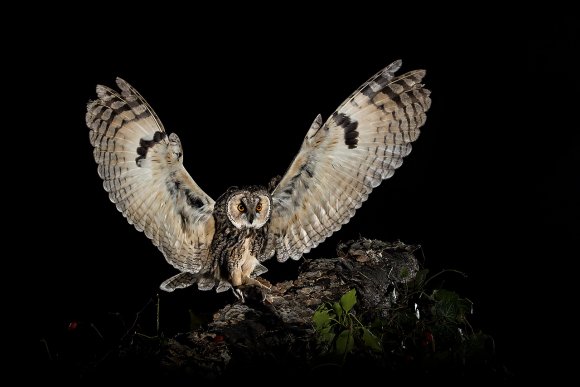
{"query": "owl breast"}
(244, 265)
(234, 254)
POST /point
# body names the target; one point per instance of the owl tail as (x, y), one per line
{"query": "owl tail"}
(204, 281)
(186, 279)
(179, 281)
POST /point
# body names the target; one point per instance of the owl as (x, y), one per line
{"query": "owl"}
(221, 243)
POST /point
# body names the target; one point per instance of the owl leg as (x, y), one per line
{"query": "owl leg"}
(243, 278)
(254, 282)
(248, 286)
(251, 288)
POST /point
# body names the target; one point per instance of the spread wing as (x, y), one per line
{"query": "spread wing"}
(142, 169)
(342, 160)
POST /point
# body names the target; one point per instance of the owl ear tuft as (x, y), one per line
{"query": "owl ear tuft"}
(274, 183)
(316, 124)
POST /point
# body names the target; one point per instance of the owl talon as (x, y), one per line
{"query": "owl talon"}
(251, 293)
(239, 295)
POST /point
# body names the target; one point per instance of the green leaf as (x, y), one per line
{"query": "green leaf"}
(348, 300)
(327, 335)
(421, 276)
(195, 321)
(371, 340)
(338, 310)
(344, 342)
(321, 319)
(450, 306)
(445, 295)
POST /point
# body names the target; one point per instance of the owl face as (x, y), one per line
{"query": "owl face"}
(247, 209)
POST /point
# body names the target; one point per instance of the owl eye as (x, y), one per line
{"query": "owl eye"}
(241, 207)
(259, 207)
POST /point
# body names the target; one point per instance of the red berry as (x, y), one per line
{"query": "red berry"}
(73, 325)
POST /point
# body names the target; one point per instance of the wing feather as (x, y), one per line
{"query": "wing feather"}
(142, 170)
(342, 160)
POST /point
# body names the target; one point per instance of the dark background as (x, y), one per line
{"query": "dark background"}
(491, 187)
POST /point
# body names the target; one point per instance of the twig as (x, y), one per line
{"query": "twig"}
(137, 315)
(157, 326)
(98, 332)
(43, 341)
(444, 271)
(146, 336)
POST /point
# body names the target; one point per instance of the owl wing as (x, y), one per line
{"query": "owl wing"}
(342, 160)
(142, 169)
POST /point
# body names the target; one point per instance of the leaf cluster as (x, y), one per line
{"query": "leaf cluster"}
(340, 331)
(427, 328)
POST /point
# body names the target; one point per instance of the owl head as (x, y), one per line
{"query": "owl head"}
(248, 207)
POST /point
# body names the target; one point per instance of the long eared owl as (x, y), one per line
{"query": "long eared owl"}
(221, 243)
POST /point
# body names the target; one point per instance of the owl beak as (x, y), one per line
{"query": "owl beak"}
(251, 217)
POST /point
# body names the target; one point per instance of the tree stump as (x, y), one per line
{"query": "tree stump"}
(276, 334)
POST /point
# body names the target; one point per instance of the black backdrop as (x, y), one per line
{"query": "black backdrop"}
(492, 177)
